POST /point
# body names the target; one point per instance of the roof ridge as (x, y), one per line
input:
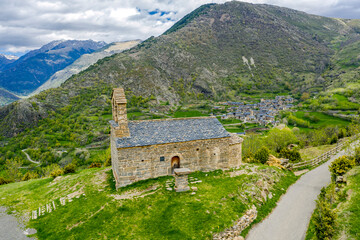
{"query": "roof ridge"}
(171, 119)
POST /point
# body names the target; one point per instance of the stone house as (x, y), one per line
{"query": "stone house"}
(152, 148)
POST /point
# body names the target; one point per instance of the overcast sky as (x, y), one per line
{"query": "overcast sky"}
(29, 24)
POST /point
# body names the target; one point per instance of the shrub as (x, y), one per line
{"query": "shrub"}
(95, 165)
(107, 157)
(56, 173)
(292, 120)
(4, 181)
(46, 171)
(292, 155)
(334, 139)
(70, 168)
(324, 220)
(262, 155)
(30, 175)
(357, 156)
(108, 162)
(340, 166)
(248, 157)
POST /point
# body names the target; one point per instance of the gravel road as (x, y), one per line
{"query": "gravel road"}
(10, 228)
(290, 219)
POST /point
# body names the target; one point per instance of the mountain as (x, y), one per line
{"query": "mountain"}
(7, 97)
(6, 59)
(215, 52)
(31, 70)
(84, 62)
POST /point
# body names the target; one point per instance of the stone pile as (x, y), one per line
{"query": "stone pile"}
(240, 225)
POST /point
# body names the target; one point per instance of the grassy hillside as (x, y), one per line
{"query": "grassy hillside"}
(145, 210)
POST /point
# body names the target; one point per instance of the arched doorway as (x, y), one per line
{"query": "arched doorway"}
(175, 163)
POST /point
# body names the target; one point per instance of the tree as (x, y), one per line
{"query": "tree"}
(305, 96)
(278, 139)
(12, 166)
(251, 144)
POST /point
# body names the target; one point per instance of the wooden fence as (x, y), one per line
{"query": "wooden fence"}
(325, 156)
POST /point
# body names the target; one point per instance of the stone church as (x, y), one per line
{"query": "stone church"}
(152, 148)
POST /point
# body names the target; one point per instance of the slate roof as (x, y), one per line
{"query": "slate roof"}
(144, 133)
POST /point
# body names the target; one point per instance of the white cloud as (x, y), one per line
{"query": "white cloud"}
(29, 24)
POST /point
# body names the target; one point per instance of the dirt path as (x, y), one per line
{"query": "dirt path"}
(290, 219)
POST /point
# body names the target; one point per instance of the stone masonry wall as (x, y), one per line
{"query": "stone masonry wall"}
(139, 163)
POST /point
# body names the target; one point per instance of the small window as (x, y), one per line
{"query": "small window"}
(162, 159)
(142, 160)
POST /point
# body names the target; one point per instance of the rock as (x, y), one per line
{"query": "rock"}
(193, 193)
(239, 238)
(270, 196)
(199, 181)
(337, 189)
(340, 179)
(263, 195)
(30, 231)
(259, 183)
(194, 189)
(169, 189)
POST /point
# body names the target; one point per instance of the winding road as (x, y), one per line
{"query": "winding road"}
(28, 157)
(290, 219)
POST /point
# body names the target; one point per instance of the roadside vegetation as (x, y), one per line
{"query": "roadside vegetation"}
(337, 210)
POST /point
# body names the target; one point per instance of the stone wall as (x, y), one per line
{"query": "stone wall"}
(139, 163)
(239, 226)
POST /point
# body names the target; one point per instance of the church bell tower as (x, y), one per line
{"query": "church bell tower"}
(118, 101)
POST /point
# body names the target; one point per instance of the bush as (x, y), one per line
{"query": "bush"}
(95, 165)
(107, 157)
(262, 155)
(340, 166)
(334, 139)
(56, 173)
(292, 120)
(248, 157)
(4, 181)
(292, 155)
(46, 171)
(324, 220)
(357, 156)
(70, 168)
(30, 175)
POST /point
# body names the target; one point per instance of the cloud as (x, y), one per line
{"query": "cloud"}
(29, 24)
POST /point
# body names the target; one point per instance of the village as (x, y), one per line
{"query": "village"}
(262, 113)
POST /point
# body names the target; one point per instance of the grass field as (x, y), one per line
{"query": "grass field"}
(342, 103)
(313, 152)
(144, 210)
(324, 119)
